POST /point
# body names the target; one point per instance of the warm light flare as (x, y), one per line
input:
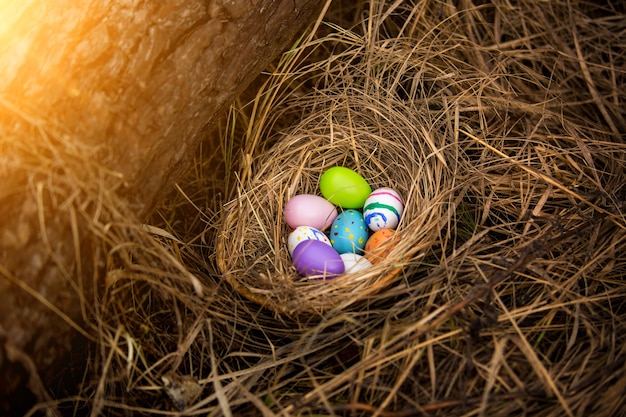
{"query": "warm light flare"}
(11, 12)
(38, 39)
(16, 33)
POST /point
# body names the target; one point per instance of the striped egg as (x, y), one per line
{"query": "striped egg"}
(383, 209)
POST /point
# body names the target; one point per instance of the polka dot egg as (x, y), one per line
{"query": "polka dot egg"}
(303, 233)
(349, 233)
(379, 245)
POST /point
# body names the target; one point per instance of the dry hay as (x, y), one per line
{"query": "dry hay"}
(502, 125)
(377, 138)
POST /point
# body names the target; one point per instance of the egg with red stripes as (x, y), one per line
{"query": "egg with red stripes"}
(383, 209)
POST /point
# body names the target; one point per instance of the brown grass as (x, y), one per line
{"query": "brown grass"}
(501, 124)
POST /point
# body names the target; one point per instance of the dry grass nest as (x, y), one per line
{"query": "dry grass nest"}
(464, 141)
(382, 141)
(502, 127)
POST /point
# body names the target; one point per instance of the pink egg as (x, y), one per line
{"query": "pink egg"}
(314, 257)
(309, 210)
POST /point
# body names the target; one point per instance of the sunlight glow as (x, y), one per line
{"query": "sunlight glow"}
(15, 38)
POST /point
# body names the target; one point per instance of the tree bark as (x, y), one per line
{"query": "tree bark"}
(123, 91)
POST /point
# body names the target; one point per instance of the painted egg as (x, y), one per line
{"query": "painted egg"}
(379, 245)
(314, 257)
(303, 233)
(349, 232)
(309, 210)
(354, 263)
(383, 209)
(344, 187)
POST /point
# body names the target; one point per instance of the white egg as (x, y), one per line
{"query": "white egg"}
(303, 233)
(354, 263)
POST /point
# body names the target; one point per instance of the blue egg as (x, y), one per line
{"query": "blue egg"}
(348, 233)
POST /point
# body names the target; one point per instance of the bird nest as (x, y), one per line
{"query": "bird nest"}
(382, 142)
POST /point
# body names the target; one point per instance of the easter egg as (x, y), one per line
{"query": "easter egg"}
(303, 233)
(344, 187)
(348, 233)
(379, 245)
(314, 257)
(309, 210)
(383, 209)
(354, 263)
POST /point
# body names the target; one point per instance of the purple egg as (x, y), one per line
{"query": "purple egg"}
(314, 257)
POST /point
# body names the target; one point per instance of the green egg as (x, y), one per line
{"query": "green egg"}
(344, 187)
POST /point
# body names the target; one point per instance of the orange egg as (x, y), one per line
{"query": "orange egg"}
(379, 245)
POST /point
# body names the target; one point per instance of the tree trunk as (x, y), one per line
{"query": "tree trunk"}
(103, 100)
